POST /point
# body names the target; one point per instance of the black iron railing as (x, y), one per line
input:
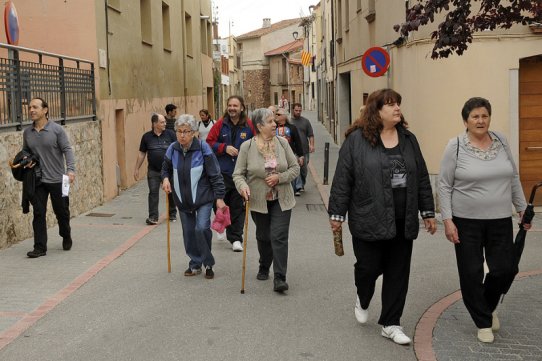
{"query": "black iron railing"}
(66, 83)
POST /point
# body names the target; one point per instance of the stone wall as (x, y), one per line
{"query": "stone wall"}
(85, 194)
(256, 88)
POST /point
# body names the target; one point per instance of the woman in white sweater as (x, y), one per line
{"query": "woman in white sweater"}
(265, 168)
(478, 183)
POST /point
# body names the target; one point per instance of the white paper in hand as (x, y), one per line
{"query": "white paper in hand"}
(65, 185)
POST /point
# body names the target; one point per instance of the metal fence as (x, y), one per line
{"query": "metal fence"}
(66, 83)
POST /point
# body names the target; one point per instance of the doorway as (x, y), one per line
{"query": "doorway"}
(530, 125)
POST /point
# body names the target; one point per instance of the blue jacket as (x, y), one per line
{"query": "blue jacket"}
(225, 133)
(195, 176)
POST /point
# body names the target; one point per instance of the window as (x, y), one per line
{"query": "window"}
(188, 33)
(209, 38)
(358, 7)
(346, 15)
(146, 25)
(371, 11)
(166, 27)
(203, 36)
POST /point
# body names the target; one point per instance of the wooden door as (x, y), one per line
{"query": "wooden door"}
(530, 124)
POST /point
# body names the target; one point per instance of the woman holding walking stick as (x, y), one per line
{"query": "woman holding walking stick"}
(265, 168)
(190, 170)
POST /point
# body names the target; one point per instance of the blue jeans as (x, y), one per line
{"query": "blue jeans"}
(301, 179)
(154, 181)
(197, 236)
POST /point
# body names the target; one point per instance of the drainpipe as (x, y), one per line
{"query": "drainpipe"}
(183, 22)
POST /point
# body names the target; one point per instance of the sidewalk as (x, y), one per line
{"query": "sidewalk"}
(111, 297)
(446, 331)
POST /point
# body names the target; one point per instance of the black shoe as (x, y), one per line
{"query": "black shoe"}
(279, 285)
(209, 274)
(263, 274)
(151, 222)
(67, 243)
(36, 253)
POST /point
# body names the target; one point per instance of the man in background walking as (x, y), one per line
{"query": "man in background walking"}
(225, 138)
(48, 141)
(171, 116)
(306, 134)
(154, 144)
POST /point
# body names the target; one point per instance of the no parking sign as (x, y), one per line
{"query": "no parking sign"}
(11, 23)
(375, 62)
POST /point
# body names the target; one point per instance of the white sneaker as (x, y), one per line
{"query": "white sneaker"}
(361, 314)
(237, 246)
(396, 334)
(485, 335)
(221, 236)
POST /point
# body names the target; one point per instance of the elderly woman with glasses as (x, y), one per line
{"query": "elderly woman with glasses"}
(265, 167)
(191, 172)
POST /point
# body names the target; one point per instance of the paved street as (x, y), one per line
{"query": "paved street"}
(111, 297)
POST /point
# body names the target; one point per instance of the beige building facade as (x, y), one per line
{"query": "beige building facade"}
(146, 54)
(255, 65)
(504, 66)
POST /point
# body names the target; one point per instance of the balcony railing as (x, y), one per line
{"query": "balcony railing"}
(66, 83)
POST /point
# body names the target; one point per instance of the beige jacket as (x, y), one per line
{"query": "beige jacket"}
(250, 173)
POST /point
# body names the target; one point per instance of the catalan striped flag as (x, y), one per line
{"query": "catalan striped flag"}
(306, 58)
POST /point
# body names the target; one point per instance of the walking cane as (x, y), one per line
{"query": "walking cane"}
(168, 243)
(247, 206)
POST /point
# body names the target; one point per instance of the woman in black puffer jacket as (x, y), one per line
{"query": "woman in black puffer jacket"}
(381, 182)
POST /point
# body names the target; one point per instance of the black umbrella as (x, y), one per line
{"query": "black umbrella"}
(519, 242)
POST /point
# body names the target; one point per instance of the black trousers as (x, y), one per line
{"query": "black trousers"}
(391, 259)
(272, 231)
(234, 232)
(495, 237)
(61, 207)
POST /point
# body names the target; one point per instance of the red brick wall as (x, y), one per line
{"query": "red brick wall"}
(256, 88)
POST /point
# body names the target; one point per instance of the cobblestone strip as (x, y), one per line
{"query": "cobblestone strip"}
(423, 335)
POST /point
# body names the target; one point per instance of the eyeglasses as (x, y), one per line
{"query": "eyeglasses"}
(184, 132)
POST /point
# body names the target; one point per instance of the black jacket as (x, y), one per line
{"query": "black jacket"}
(362, 187)
(31, 177)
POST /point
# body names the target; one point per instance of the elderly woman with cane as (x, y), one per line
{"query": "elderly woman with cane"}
(265, 168)
(191, 171)
(478, 184)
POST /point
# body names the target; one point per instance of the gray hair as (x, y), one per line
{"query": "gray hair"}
(259, 116)
(186, 119)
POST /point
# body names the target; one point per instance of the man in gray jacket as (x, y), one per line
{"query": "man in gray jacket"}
(48, 141)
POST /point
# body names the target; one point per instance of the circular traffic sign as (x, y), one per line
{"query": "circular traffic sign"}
(375, 62)
(11, 23)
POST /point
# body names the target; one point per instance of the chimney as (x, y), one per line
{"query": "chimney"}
(266, 23)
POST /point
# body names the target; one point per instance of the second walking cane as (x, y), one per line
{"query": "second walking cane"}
(247, 206)
(168, 242)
